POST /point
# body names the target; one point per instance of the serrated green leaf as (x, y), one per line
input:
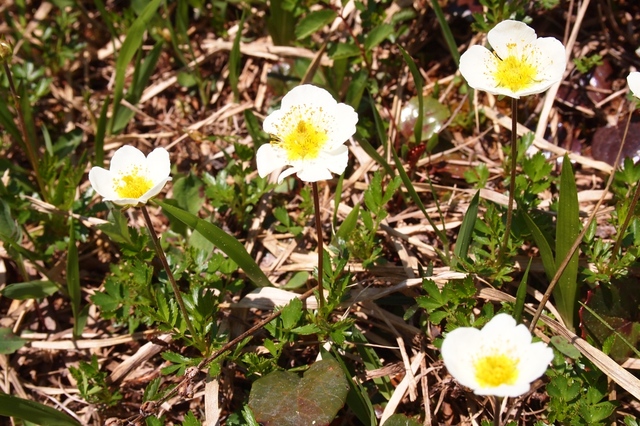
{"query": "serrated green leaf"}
(190, 420)
(313, 22)
(291, 313)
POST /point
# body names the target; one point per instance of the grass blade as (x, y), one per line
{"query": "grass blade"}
(416, 199)
(143, 73)
(225, 242)
(33, 412)
(446, 32)
(567, 230)
(521, 295)
(130, 46)
(546, 253)
(234, 58)
(466, 231)
(417, 79)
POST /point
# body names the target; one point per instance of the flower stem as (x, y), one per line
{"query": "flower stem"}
(512, 181)
(634, 200)
(316, 205)
(172, 280)
(497, 402)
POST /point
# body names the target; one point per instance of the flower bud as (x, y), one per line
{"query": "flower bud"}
(6, 52)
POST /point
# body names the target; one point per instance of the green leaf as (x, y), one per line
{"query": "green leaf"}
(371, 362)
(566, 347)
(521, 295)
(186, 191)
(466, 231)
(297, 280)
(377, 36)
(546, 254)
(401, 420)
(130, 46)
(29, 290)
(9, 231)
(190, 420)
(313, 22)
(343, 51)
(9, 342)
(33, 412)
(234, 58)
(101, 128)
(291, 313)
(283, 398)
(567, 230)
(349, 224)
(417, 79)
(225, 242)
(143, 73)
(280, 23)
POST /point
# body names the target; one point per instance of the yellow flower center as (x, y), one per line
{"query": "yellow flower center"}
(132, 184)
(496, 370)
(304, 142)
(515, 73)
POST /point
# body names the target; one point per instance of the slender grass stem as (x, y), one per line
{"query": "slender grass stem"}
(163, 259)
(512, 181)
(632, 206)
(316, 205)
(28, 143)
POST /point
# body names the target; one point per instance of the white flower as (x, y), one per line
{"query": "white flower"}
(521, 64)
(308, 134)
(132, 178)
(633, 80)
(498, 360)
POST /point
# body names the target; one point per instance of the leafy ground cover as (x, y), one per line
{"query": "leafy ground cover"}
(413, 232)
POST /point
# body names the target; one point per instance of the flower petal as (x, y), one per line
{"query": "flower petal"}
(343, 125)
(286, 173)
(153, 191)
(308, 94)
(463, 347)
(158, 165)
(337, 160)
(633, 80)
(314, 173)
(509, 33)
(475, 66)
(102, 182)
(457, 351)
(268, 160)
(126, 157)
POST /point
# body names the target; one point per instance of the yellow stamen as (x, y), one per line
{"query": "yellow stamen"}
(515, 73)
(304, 141)
(132, 184)
(496, 370)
